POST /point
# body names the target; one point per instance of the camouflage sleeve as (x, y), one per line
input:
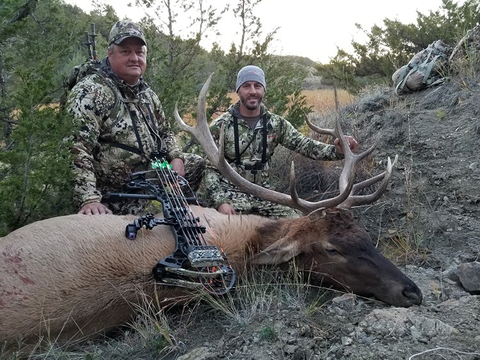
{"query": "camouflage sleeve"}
(214, 189)
(215, 128)
(87, 103)
(295, 141)
(164, 129)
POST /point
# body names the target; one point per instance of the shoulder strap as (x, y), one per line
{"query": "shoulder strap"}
(409, 70)
(122, 146)
(237, 144)
(429, 69)
(161, 147)
(264, 152)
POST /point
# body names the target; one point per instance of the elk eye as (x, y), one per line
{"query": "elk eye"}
(331, 251)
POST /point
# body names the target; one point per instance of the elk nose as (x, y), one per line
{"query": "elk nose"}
(413, 294)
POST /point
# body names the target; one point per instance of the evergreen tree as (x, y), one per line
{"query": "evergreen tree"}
(34, 153)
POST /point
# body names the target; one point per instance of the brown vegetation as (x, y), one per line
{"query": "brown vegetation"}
(323, 100)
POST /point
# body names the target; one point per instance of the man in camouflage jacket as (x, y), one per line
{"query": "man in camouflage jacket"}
(250, 155)
(121, 124)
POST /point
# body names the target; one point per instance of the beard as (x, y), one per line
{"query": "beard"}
(251, 102)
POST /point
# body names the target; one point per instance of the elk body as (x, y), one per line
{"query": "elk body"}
(76, 275)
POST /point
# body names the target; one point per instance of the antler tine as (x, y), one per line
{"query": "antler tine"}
(201, 110)
(356, 200)
(293, 188)
(320, 130)
(347, 176)
(373, 180)
(201, 131)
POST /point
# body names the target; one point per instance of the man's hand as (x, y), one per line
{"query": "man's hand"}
(226, 209)
(352, 143)
(178, 166)
(95, 208)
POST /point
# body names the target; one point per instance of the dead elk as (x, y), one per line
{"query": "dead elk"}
(76, 275)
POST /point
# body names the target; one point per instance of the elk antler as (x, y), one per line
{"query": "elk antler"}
(216, 156)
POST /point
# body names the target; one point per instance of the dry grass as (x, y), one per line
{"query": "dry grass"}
(323, 100)
(267, 290)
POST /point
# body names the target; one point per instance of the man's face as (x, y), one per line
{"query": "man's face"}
(129, 59)
(251, 95)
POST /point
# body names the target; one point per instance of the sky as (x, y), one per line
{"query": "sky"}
(308, 28)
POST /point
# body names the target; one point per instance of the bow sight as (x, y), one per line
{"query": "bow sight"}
(193, 263)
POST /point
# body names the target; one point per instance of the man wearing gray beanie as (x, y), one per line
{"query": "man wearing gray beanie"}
(252, 133)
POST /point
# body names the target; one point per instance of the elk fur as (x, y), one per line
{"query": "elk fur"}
(74, 276)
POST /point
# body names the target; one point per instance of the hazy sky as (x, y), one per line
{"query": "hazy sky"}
(310, 28)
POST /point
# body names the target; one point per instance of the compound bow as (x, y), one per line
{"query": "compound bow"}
(193, 258)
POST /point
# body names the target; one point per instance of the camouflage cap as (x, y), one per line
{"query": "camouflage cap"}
(124, 29)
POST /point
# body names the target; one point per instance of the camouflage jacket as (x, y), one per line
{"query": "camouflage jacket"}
(217, 190)
(120, 126)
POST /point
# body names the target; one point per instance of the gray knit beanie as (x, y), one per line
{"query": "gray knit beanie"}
(251, 73)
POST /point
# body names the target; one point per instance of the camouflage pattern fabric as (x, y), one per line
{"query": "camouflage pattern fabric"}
(194, 170)
(216, 190)
(124, 29)
(120, 126)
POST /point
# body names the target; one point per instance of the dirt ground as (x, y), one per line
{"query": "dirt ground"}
(428, 223)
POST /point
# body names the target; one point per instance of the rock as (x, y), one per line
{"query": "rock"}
(200, 353)
(404, 322)
(469, 276)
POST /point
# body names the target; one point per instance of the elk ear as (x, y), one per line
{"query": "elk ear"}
(317, 214)
(279, 252)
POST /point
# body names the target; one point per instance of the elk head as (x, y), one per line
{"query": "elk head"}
(336, 252)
